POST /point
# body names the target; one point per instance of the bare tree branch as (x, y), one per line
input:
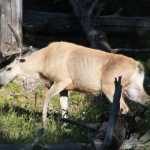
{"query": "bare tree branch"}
(18, 40)
(91, 9)
(97, 39)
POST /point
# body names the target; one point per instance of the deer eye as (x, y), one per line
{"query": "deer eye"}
(22, 60)
(8, 69)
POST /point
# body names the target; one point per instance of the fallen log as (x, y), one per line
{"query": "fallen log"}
(136, 143)
(63, 146)
(53, 23)
(90, 127)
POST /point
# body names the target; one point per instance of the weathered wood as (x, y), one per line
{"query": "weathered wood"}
(96, 38)
(11, 13)
(43, 40)
(12, 146)
(137, 143)
(65, 146)
(45, 22)
(90, 127)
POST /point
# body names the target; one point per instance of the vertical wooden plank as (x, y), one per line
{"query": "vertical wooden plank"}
(11, 13)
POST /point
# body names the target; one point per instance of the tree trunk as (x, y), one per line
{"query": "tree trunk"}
(11, 13)
(97, 39)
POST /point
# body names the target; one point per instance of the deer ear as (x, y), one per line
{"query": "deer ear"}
(22, 60)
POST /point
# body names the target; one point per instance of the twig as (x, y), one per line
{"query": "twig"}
(91, 9)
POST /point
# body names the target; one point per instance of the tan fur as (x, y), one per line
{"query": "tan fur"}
(88, 70)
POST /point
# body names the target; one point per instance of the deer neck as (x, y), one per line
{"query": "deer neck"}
(33, 63)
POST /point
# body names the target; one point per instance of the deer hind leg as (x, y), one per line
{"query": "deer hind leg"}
(64, 103)
(55, 89)
(109, 92)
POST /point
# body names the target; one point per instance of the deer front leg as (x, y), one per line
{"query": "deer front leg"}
(55, 89)
(64, 103)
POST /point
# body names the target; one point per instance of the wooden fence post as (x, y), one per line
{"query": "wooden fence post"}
(10, 13)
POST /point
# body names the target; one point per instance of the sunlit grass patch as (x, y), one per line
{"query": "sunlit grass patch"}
(19, 121)
(16, 129)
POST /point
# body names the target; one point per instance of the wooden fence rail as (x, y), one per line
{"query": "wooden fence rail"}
(36, 21)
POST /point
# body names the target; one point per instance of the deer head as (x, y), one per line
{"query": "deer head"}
(12, 67)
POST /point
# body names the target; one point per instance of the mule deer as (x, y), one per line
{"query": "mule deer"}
(73, 67)
(67, 66)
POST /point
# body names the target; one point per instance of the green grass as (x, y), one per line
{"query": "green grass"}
(20, 117)
(16, 129)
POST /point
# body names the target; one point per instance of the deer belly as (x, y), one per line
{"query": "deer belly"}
(85, 73)
(87, 83)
